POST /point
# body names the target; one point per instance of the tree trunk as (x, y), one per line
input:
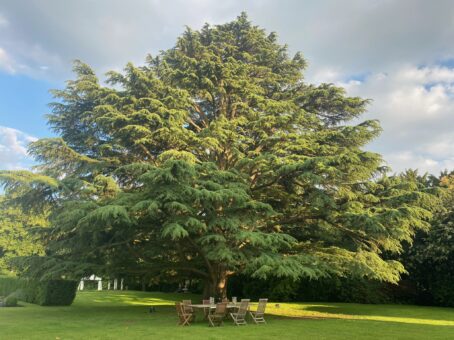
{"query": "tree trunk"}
(221, 285)
(208, 290)
(217, 286)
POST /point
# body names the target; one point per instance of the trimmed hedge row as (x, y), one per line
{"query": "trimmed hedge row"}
(8, 285)
(43, 293)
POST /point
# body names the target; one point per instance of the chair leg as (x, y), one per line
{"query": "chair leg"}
(215, 322)
(257, 319)
(234, 319)
(186, 320)
(238, 322)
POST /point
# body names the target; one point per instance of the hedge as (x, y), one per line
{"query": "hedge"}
(10, 301)
(8, 285)
(56, 293)
(44, 293)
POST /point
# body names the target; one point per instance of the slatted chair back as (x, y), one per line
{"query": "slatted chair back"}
(225, 300)
(218, 315)
(178, 308)
(244, 305)
(221, 309)
(187, 306)
(261, 307)
(205, 302)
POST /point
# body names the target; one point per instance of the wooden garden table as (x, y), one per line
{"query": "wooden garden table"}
(213, 305)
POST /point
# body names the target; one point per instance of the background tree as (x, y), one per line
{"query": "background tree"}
(214, 158)
(434, 249)
(16, 234)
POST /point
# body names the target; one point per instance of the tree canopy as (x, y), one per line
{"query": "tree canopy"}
(16, 234)
(434, 249)
(214, 158)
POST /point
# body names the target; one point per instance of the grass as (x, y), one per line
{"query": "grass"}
(124, 315)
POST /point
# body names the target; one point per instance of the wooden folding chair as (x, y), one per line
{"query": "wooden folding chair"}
(184, 318)
(259, 315)
(216, 318)
(188, 309)
(239, 318)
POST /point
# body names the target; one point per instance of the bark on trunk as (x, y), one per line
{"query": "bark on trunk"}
(217, 286)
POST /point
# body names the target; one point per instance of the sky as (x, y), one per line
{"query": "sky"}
(400, 54)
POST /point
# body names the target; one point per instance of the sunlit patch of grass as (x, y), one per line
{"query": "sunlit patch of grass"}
(303, 310)
(118, 298)
(407, 320)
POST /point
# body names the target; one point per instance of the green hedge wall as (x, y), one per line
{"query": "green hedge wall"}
(44, 293)
(8, 285)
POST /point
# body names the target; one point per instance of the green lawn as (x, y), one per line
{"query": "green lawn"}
(124, 315)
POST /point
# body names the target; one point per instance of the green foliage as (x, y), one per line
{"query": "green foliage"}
(55, 293)
(215, 158)
(330, 289)
(43, 293)
(434, 249)
(8, 285)
(10, 300)
(16, 238)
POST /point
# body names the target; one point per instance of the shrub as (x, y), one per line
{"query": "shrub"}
(44, 293)
(56, 293)
(10, 301)
(8, 285)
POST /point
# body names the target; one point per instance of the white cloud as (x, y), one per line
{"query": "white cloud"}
(416, 108)
(13, 148)
(105, 33)
(373, 48)
(408, 159)
(353, 35)
(6, 63)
